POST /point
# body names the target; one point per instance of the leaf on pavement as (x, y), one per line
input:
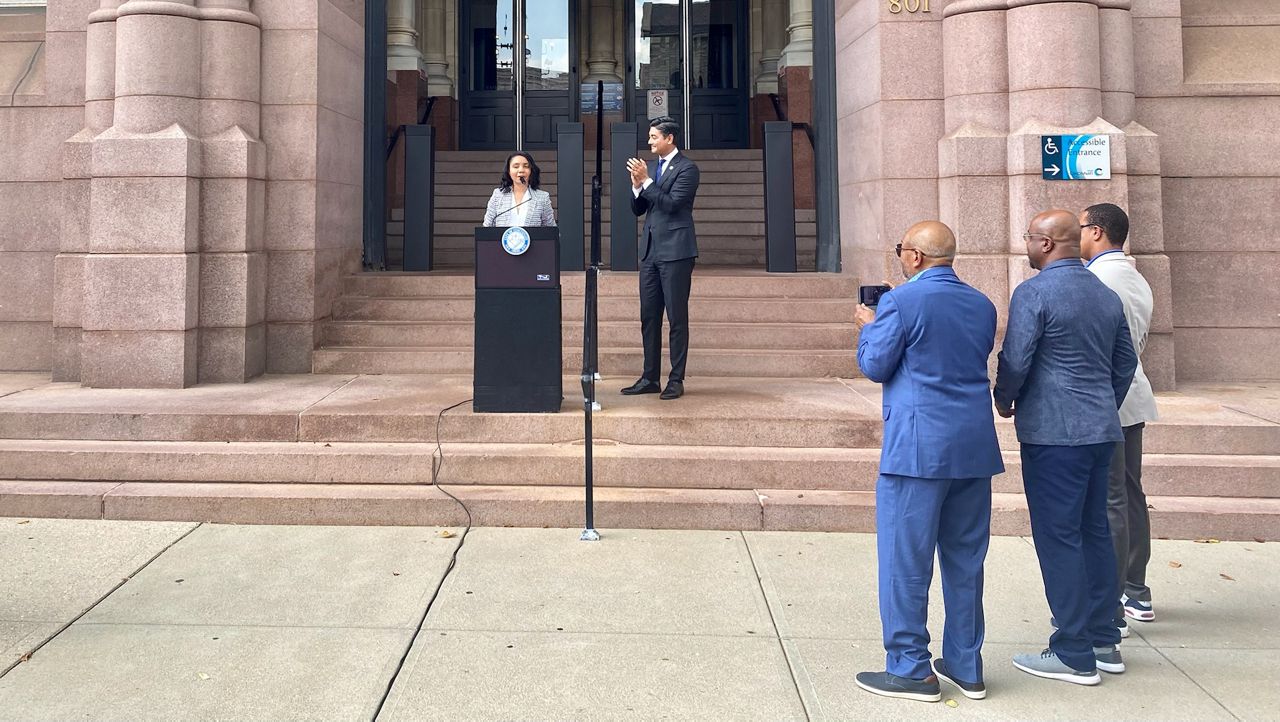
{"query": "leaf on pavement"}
(952, 703)
(1175, 565)
(25, 521)
(1207, 541)
(444, 534)
(1228, 577)
(204, 676)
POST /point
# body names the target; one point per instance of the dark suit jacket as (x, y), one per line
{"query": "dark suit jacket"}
(667, 207)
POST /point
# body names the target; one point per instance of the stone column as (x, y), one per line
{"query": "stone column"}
(402, 36)
(1054, 62)
(141, 277)
(601, 61)
(1115, 34)
(233, 264)
(77, 153)
(973, 186)
(799, 49)
(774, 26)
(437, 61)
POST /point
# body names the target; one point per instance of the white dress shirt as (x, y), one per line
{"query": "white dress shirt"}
(520, 211)
(666, 166)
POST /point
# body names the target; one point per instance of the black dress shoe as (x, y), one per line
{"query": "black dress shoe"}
(674, 390)
(643, 386)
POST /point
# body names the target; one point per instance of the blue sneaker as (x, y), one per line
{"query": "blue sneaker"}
(890, 685)
(1138, 611)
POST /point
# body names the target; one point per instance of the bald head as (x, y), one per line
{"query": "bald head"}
(1062, 227)
(933, 238)
(1053, 236)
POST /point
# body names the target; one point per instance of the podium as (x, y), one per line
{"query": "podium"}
(518, 353)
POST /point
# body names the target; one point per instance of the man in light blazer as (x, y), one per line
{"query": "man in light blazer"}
(663, 193)
(928, 342)
(1103, 230)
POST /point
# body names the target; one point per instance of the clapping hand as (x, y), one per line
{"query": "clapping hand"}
(639, 171)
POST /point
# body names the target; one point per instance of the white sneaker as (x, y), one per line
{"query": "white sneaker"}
(1136, 610)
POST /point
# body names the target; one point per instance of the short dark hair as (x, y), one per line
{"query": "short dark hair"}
(666, 125)
(1113, 221)
(535, 173)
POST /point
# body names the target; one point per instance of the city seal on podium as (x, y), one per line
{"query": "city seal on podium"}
(515, 240)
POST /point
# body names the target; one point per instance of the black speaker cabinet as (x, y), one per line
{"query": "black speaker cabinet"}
(518, 357)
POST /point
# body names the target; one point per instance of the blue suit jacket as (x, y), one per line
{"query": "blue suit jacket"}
(929, 347)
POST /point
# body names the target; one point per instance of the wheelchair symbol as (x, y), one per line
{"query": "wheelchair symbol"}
(1050, 147)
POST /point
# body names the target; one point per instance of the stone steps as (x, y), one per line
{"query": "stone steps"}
(734, 453)
(610, 308)
(613, 334)
(709, 283)
(775, 363)
(615, 465)
(562, 506)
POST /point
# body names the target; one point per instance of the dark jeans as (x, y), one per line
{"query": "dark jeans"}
(1067, 496)
(664, 286)
(1129, 518)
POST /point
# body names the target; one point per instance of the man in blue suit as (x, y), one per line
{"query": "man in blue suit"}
(928, 342)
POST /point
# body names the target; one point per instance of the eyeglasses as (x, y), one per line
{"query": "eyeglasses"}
(1090, 225)
(899, 248)
(1026, 237)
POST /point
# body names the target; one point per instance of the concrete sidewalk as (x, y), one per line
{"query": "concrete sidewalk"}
(172, 621)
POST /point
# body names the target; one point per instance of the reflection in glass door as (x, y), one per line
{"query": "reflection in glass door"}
(709, 39)
(515, 66)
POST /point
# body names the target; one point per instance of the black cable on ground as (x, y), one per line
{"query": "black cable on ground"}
(437, 463)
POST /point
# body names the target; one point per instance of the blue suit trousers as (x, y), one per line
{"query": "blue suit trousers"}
(915, 517)
(1066, 490)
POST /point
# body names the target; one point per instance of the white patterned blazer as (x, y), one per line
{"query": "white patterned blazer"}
(537, 209)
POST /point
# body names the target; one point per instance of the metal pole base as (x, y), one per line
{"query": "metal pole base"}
(589, 535)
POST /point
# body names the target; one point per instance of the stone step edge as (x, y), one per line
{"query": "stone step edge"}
(487, 463)
(560, 507)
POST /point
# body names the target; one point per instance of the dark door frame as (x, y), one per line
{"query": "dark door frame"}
(465, 57)
(743, 70)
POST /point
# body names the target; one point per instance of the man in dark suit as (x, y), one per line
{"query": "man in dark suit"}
(664, 193)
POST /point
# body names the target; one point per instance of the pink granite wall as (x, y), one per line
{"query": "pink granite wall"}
(889, 110)
(1208, 82)
(312, 122)
(41, 94)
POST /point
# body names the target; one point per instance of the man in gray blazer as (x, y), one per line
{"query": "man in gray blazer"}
(1103, 230)
(663, 194)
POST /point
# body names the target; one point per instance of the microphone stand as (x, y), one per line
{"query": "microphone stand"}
(590, 342)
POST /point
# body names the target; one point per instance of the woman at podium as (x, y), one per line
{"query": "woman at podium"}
(517, 201)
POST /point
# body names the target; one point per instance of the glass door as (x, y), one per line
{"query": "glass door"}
(518, 76)
(693, 49)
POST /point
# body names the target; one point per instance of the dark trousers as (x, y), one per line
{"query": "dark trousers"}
(664, 286)
(1066, 490)
(915, 517)
(1129, 518)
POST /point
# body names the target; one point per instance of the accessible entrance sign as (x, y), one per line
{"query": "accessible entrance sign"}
(1075, 157)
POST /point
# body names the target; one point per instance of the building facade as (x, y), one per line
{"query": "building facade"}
(184, 181)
